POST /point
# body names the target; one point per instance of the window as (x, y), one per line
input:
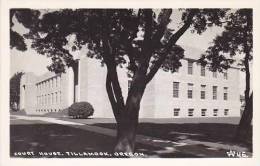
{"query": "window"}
(175, 89)
(49, 99)
(51, 83)
(215, 74)
(190, 112)
(203, 112)
(225, 75)
(45, 99)
(176, 112)
(203, 92)
(215, 92)
(215, 112)
(190, 89)
(56, 97)
(225, 96)
(54, 82)
(202, 71)
(52, 98)
(190, 67)
(58, 82)
(226, 112)
(60, 97)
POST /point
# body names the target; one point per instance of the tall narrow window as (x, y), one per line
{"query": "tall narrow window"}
(202, 70)
(176, 112)
(56, 97)
(215, 92)
(190, 90)
(225, 95)
(225, 75)
(203, 112)
(58, 81)
(45, 99)
(190, 112)
(55, 82)
(60, 97)
(52, 98)
(176, 89)
(203, 92)
(190, 67)
(215, 112)
(49, 99)
(215, 75)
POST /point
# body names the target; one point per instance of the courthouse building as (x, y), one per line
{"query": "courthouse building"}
(192, 91)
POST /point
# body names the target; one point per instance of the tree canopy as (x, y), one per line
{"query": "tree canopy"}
(126, 29)
(235, 40)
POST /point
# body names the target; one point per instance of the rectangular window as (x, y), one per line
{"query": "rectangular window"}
(49, 99)
(58, 82)
(176, 89)
(52, 98)
(215, 112)
(202, 71)
(203, 92)
(203, 112)
(176, 112)
(45, 99)
(225, 97)
(190, 90)
(190, 67)
(215, 92)
(60, 97)
(215, 75)
(56, 97)
(190, 112)
(226, 112)
(225, 75)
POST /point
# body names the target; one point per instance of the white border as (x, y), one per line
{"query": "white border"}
(5, 70)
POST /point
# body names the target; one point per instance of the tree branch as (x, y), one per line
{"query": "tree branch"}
(112, 97)
(175, 37)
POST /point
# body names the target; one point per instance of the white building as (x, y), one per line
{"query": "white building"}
(193, 91)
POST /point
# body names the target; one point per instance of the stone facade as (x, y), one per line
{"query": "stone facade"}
(193, 91)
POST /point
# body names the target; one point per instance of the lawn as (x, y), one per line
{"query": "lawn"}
(39, 136)
(209, 132)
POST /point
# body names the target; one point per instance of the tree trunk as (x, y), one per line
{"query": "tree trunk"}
(244, 128)
(128, 123)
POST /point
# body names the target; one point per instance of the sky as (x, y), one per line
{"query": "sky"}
(31, 61)
(28, 60)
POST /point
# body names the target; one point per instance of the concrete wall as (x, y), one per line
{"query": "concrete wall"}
(157, 102)
(165, 103)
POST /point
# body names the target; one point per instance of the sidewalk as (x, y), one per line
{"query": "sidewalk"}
(185, 146)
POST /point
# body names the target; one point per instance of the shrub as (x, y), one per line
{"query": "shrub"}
(81, 110)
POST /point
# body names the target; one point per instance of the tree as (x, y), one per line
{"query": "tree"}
(236, 40)
(115, 36)
(15, 90)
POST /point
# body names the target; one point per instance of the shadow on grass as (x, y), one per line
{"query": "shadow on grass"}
(208, 132)
(45, 137)
(39, 138)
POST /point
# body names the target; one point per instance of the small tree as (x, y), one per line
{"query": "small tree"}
(236, 40)
(15, 90)
(113, 36)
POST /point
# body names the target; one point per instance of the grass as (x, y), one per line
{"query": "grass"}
(28, 137)
(209, 132)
